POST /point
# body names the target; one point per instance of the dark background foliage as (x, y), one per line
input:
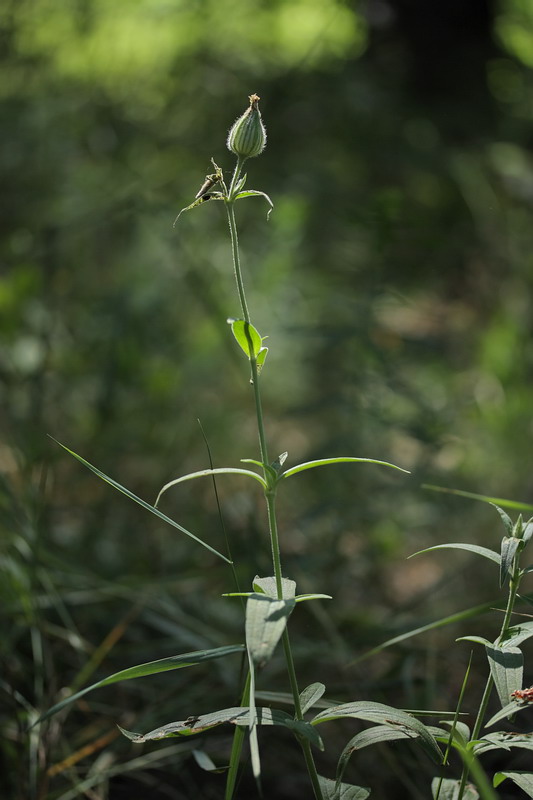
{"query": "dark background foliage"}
(394, 282)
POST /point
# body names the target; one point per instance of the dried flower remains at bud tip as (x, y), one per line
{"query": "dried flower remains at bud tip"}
(247, 136)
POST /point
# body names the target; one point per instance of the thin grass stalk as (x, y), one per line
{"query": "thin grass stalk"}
(514, 584)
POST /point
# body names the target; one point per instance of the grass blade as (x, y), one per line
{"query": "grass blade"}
(141, 502)
(149, 668)
(484, 498)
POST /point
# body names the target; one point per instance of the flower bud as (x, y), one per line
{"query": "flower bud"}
(247, 136)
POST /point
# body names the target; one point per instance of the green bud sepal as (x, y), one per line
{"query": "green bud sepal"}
(247, 136)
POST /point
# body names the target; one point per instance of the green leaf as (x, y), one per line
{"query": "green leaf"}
(383, 715)
(449, 790)
(507, 711)
(524, 780)
(239, 715)
(300, 598)
(323, 462)
(330, 790)
(506, 519)
(492, 500)
(142, 503)
(149, 668)
(240, 183)
(528, 531)
(504, 740)
(269, 469)
(472, 548)
(255, 193)
(266, 619)
(510, 546)
(204, 473)
(517, 634)
(269, 587)
(366, 738)
(310, 695)
(261, 358)
(476, 639)
(506, 667)
(239, 328)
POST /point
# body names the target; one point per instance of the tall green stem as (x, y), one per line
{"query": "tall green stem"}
(270, 493)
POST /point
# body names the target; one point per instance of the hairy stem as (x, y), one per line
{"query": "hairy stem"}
(269, 494)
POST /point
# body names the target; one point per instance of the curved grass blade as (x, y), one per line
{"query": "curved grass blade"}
(149, 668)
(141, 502)
(323, 462)
(468, 613)
(484, 498)
(472, 548)
(204, 473)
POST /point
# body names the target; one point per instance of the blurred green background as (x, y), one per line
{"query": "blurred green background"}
(394, 281)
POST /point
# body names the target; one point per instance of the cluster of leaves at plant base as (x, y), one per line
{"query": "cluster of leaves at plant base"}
(506, 664)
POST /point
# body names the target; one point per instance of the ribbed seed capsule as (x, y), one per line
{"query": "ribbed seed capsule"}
(247, 136)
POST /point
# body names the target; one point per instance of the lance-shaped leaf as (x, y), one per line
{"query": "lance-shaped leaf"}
(149, 668)
(239, 715)
(504, 740)
(528, 531)
(510, 546)
(524, 780)
(261, 358)
(507, 668)
(265, 622)
(448, 789)
(255, 193)
(310, 695)
(324, 462)
(204, 473)
(366, 738)
(250, 344)
(506, 519)
(517, 634)
(269, 587)
(141, 502)
(472, 548)
(507, 711)
(383, 715)
(345, 791)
